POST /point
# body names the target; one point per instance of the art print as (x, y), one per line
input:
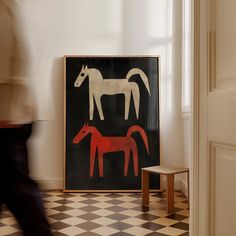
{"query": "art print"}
(111, 122)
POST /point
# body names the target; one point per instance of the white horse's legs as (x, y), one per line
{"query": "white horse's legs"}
(127, 104)
(136, 97)
(99, 106)
(91, 106)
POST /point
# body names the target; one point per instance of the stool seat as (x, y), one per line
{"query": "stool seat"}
(166, 170)
(170, 172)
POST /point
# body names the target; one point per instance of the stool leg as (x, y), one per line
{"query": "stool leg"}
(170, 194)
(145, 188)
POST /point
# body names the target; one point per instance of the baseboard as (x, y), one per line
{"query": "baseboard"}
(180, 185)
(49, 183)
(52, 184)
(184, 188)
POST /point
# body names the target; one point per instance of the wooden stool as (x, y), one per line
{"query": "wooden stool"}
(170, 172)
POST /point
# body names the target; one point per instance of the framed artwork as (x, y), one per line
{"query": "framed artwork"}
(111, 122)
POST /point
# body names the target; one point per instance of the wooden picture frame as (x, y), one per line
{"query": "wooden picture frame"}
(111, 122)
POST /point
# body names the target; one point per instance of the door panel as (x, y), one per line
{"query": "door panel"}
(215, 107)
(225, 42)
(222, 192)
(225, 191)
(222, 47)
(221, 111)
(222, 115)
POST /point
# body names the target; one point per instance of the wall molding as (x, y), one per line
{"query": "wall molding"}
(49, 183)
(184, 188)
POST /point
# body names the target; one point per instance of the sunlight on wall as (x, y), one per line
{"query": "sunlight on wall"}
(73, 27)
(160, 34)
(154, 27)
(187, 55)
(56, 28)
(89, 27)
(164, 39)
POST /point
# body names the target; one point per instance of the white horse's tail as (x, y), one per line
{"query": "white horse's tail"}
(135, 71)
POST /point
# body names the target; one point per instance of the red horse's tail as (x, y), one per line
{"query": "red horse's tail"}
(137, 128)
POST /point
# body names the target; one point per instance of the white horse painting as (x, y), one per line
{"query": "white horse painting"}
(99, 87)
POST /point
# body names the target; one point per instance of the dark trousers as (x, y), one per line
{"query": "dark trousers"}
(17, 190)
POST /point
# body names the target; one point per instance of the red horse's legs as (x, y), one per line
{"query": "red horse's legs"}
(127, 157)
(92, 158)
(135, 157)
(100, 164)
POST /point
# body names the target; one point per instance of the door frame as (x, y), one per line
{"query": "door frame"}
(195, 93)
(201, 201)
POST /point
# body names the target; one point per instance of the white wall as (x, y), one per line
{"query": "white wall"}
(187, 73)
(187, 152)
(89, 27)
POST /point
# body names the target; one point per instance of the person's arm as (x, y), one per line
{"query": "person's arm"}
(16, 106)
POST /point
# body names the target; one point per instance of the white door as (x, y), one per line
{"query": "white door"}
(214, 163)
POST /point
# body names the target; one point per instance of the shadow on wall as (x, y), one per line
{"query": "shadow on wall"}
(46, 143)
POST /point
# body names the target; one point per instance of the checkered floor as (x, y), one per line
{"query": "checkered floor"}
(117, 214)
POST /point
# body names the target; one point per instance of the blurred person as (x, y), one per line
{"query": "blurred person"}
(17, 190)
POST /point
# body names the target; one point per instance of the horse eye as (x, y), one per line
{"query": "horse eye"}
(82, 74)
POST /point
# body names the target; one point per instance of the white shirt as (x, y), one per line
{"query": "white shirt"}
(16, 104)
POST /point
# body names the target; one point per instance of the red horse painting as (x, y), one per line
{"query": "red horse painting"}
(112, 144)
